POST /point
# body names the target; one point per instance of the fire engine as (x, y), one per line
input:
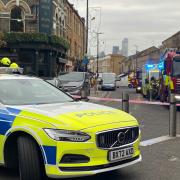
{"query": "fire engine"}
(170, 74)
(150, 81)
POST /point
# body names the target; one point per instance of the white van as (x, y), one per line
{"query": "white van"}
(122, 81)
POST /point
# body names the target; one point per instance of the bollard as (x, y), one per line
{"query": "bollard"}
(172, 116)
(150, 94)
(84, 94)
(125, 102)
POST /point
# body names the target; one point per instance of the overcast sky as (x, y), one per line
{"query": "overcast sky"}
(144, 22)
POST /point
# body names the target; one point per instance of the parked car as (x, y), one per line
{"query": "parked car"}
(55, 81)
(75, 82)
(108, 81)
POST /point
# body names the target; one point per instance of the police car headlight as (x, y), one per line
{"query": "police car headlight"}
(66, 135)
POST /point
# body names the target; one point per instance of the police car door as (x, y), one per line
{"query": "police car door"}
(3, 112)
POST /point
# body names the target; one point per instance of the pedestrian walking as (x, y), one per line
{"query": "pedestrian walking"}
(92, 81)
(95, 85)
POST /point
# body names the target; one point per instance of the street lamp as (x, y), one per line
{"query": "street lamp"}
(98, 33)
(87, 25)
(97, 17)
(136, 63)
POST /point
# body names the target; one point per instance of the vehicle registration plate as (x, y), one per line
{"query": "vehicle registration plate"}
(121, 154)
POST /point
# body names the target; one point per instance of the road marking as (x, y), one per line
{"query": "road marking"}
(156, 140)
(173, 159)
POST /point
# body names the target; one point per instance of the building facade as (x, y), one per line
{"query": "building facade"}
(39, 54)
(172, 42)
(110, 64)
(139, 60)
(76, 35)
(18, 16)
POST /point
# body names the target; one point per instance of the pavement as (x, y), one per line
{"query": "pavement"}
(161, 154)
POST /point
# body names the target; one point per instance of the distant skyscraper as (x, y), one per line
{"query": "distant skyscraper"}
(115, 50)
(102, 54)
(125, 47)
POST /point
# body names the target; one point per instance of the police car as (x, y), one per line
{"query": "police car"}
(46, 133)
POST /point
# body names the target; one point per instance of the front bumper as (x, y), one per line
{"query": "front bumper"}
(106, 87)
(98, 160)
(98, 169)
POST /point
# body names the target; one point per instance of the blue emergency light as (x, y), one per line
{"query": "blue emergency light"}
(161, 66)
(149, 66)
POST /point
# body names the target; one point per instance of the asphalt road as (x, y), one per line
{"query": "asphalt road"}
(160, 161)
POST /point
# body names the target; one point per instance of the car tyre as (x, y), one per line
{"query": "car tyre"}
(29, 159)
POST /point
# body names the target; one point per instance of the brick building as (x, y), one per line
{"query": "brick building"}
(37, 53)
(137, 61)
(76, 35)
(173, 41)
(110, 63)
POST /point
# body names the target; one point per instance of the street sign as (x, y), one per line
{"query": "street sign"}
(85, 60)
(45, 16)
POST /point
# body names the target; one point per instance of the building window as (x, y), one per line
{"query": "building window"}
(57, 29)
(17, 20)
(35, 10)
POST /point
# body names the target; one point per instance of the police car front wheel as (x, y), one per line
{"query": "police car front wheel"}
(29, 159)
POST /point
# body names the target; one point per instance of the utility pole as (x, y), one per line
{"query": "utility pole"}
(97, 54)
(98, 33)
(87, 25)
(136, 63)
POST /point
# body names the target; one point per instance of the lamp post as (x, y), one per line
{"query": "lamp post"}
(136, 63)
(87, 25)
(98, 33)
(97, 17)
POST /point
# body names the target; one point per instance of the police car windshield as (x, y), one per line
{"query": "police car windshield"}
(30, 92)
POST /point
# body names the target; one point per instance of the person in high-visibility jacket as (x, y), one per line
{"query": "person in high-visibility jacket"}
(14, 65)
(169, 83)
(5, 62)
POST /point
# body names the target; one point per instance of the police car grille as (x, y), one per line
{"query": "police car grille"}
(117, 138)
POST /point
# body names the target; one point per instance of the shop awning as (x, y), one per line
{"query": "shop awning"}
(64, 61)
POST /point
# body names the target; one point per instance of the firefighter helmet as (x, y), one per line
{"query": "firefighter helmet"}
(14, 65)
(5, 61)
